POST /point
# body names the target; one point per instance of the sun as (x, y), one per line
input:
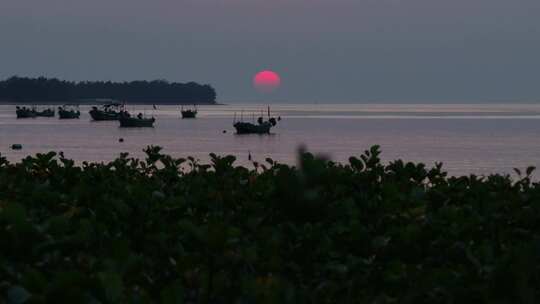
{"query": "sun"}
(266, 81)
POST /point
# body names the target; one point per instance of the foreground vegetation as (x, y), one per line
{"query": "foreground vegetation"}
(167, 230)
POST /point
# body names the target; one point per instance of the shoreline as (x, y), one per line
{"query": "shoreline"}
(54, 103)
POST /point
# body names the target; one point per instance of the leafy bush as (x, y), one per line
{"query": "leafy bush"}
(168, 230)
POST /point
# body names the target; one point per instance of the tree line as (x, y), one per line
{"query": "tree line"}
(24, 89)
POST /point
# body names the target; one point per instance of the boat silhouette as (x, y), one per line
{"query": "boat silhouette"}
(262, 126)
(24, 112)
(128, 121)
(189, 113)
(45, 113)
(108, 111)
(69, 112)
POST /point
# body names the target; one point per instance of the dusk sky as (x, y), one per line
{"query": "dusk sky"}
(325, 50)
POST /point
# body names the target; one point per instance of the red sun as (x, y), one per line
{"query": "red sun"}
(266, 81)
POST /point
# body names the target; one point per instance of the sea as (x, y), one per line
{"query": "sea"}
(467, 138)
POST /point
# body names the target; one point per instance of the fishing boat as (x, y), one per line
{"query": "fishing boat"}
(69, 112)
(262, 126)
(24, 112)
(139, 121)
(45, 113)
(189, 113)
(108, 111)
(251, 128)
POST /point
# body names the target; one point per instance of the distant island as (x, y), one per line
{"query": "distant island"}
(52, 90)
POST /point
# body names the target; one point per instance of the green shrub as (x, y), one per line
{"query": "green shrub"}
(165, 230)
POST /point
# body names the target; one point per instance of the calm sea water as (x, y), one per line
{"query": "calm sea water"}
(466, 138)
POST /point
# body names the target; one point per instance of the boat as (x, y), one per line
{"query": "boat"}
(261, 127)
(189, 113)
(24, 112)
(127, 121)
(69, 112)
(251, 128)
(45, 113)
(109, 111)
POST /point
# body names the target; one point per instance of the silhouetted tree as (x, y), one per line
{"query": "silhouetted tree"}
(22, 89)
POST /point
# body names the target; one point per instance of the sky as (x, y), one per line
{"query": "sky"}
(326, 51)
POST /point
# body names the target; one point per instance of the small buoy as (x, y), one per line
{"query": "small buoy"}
(121, 140)
(224, 131)
(16, 146)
